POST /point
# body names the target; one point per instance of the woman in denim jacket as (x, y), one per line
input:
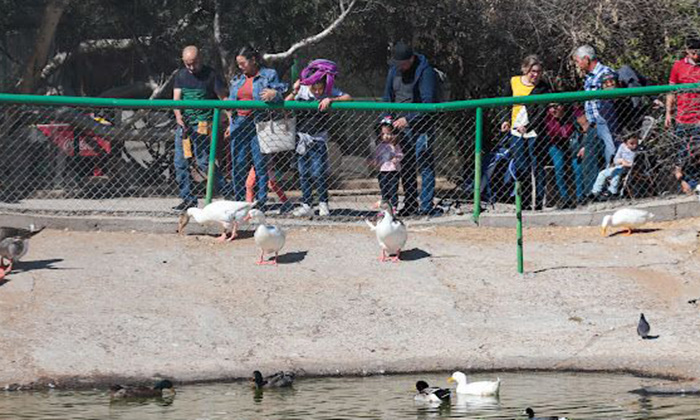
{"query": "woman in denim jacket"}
(254, 83)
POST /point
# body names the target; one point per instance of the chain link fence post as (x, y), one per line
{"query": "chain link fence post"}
(477, 163)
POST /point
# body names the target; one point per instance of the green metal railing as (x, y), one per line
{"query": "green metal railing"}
(478, 104)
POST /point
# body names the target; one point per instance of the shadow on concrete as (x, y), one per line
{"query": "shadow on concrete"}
(634, 231)
(292, 257)
(414, 254)
(22, 266)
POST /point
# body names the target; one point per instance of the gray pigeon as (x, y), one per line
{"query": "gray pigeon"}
(643, 327)
(13, 248)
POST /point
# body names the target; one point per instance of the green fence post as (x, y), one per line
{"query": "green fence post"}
(477, 163)
(519, 225)
(212, 156)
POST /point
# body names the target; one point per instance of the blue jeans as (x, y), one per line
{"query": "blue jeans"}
(614, 173)
(586, 169)
(559, 161)
(389, 186)
(605, 135)
(526, 162)
(200, 151)
(690, 135)
(313, 170)
(245, 150)
(418, 158)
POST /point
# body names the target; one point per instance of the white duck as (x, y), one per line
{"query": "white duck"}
(391, 233)
(626, 218)
(482, 388)
(228, 213)
(269, 238)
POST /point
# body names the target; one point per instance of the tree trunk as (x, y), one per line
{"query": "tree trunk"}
(47, 30)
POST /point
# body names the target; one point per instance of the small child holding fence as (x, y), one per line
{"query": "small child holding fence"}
(387, 159)
(316, 84)
(622, 162)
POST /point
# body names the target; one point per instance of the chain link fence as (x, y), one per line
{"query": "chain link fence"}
(564, 161)
(121, 161)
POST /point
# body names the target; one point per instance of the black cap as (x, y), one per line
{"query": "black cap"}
(693, 44)
(402, 51)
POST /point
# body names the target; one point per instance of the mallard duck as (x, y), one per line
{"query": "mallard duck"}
(276, 380)
(162, 389)
(531, 415)
(269, 238)
(430, 394)
(391, 233)
(483, 388)
(626, 218)
(227, 213)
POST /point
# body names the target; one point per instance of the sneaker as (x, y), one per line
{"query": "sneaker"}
(323, 209)
(186, 204)
(303, 211)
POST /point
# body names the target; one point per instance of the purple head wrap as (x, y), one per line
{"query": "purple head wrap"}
(317, 70)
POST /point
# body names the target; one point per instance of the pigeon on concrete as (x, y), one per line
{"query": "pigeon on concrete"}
(643, 329)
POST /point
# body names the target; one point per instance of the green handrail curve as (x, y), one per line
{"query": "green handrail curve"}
(6, 98)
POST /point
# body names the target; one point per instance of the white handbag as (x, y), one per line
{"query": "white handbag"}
(276, 135)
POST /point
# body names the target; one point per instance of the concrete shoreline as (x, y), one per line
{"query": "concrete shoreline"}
(87, 308)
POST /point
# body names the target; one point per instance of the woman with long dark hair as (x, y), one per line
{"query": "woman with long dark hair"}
(254, 83)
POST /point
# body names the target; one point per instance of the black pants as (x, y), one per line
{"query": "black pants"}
(409, 174)
(389, 186)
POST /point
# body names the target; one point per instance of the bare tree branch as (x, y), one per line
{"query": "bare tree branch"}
(315, 38)
(223, 54)
(52, 15)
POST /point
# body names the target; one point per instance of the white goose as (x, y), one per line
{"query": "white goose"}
(626, 218)
(269, 238)
(228, 213)
(391, 233)
(482, 388)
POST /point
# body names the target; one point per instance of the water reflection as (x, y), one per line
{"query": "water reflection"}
(581, 396)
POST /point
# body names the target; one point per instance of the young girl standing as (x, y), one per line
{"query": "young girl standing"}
(387, 158)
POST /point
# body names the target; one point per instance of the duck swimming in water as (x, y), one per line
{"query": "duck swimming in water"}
(430, 394)
(481, 388)
(276, 380)
(162, 389)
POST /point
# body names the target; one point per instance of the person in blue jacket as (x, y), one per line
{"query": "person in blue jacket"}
(411, 79)
(254, 82)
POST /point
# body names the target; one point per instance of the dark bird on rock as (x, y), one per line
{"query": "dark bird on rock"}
(162, 389)
(276, 380)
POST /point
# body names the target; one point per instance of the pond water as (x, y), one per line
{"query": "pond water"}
(575, 395)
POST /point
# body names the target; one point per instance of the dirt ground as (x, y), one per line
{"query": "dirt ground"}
(88, 308)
